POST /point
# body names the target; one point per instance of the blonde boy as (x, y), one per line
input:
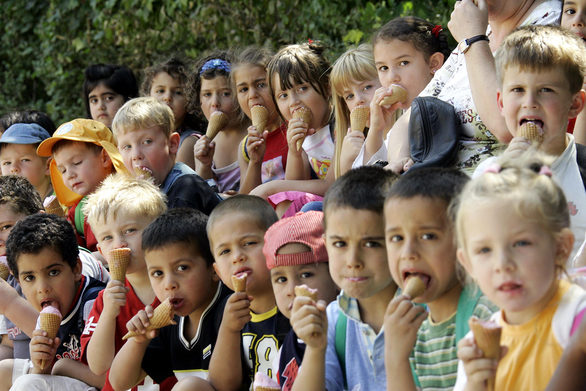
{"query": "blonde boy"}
(148, 143)
(541, 70)
(118, 212)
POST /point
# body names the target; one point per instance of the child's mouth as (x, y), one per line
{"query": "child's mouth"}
(424, 277)
(537, 122)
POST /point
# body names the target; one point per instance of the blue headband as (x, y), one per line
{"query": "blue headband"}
(216, 63)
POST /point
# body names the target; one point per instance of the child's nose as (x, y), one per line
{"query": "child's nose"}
(503, 260)
(238, 256)
(167, 97)
(354, 258)
(14, 168)
(409, 250)
(170, 283)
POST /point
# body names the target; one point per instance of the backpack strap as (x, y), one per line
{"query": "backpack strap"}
(581, 160)
(340, 342)
(79, 217)
(466, 305)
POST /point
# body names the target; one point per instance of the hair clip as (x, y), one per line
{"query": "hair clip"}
(216, 63)
(545, 170)
(436, 30)
(309, 41)
(494, 168)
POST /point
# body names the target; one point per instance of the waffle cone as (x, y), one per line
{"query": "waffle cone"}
(4, 271)
(414, 287)
(239, 283)
(260, 116)
(359, 117)
(49, 323)
(531, 131)
(304, 290)
(399, 95)
(142, 173)
(162, 316)
(218, 121)
(55, 208)
(118, 262)
(487, 335)
(305, 114)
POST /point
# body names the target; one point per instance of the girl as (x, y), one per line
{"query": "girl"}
(517, 257)
(263, 155)
(105, 89)
(217, 160)
(407, 52)
(166, 82)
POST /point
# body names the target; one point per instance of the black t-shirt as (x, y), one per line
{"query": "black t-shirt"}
(292, 353)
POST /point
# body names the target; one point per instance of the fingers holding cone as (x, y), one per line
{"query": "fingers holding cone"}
(399, 95)
(218, 121)
(487, 335)
(162, 316)
(304, 114)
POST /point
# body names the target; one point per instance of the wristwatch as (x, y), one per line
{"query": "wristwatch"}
(465, 44)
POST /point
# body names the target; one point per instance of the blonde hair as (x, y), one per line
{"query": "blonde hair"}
(143, 113)
(535, 48)
(123, 194)
(354, 65)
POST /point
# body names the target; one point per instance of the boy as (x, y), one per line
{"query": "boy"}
(18, 156)
(252, 328)
(42, 253)
(541, 70)
(83, 156)
(179, 264)
(118, 212)
(296, 255)
(420, 244)
(346, 349)
(148, 143)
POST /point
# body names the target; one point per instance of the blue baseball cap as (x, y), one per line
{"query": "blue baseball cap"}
(24, 134)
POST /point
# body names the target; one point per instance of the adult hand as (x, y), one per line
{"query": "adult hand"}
(468, 19)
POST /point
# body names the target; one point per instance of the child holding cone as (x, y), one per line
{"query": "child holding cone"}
(118, 213)
(216, 154)
(179, 261)
(420, 246)
(518, 256)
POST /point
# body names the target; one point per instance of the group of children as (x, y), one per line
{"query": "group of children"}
(121, 183)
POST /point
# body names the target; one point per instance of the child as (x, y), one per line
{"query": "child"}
(264, 154)
(43, 254)
(217, 161)
(105, 89)
(517, 257)
(18, 156)
(179, 263)
(296, 255)
(345, 350)
(420, 244)
(252, 327)
(407, 52)
(118, 212)
(27, 117)
(532, 61)
(166, 82)
(148, 145)
(83, 154)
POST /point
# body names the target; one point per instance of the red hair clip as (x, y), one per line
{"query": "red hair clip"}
(310, 41)
(436, 30)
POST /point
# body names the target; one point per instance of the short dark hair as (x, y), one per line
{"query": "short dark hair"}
(179, 225)
(39, 231)
(118, 78)
(259, 210)
(362, 188)
(429, 182)
(28, 117)
(20, 195)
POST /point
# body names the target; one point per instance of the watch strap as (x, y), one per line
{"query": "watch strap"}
(465, 44)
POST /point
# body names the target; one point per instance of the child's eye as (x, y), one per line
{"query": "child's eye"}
(224, 252)
(282, 96)
(546, 89)
(125, 147)
(522, 243)
(517, 89)
(383, 68)
(93, 101)
(242, 90)
(349, 96)
(54, 272)
(107, 237)
(403, 63)
(250, 243)
(29, 278)
(306, 275)
(147, 141)
(156, 273)
(570, 11)
(368, 87)
(109, 98)
(280, 280)
(6, 163)
(130, 230)
(429, 236)
(182, 268)
(77, 163)
(25, 160)
(372, 244)
(339, 243)
(262, 85)
(395, 238)
(179, 93)
(227, 93)
(6, 227)
(483, 250)
(159, 91)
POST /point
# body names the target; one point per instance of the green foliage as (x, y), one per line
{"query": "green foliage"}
(46, 44)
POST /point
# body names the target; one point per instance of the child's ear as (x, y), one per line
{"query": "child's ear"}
(436, 60)
(577, 104)
(77, 270)
(48, 165)
(464, 260)
(565, 243)
(174, 143)
(105, 159)
(499, 100)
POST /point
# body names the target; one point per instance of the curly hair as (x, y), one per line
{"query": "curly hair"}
(20, 195)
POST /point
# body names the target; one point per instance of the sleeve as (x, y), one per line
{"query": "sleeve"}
(334, 373)
(157, 361)
(461, 378)
(484, 309)
(381, 154)
(91, 267)
(90, 325)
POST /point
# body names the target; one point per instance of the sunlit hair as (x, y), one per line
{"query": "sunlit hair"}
(143, 113)
(540, 48)
(121, 194)
(355, 65)
(175, 67)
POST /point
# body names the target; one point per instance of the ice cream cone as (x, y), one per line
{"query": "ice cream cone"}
(218, 120)
(304, 290)
(239, 282)
(264, 383)
(260, 116)
(305, 114)
(487, 335)
(142, 173)
(531, 131)
(53, 207)
(49, 321)
(399, 95)
(414, 287)
(162, 316)
(118, 261)
(4, 269)
(359, 117)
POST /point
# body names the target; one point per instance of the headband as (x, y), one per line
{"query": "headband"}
(216, 63)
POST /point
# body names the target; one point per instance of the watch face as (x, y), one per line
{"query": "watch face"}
(463, 46)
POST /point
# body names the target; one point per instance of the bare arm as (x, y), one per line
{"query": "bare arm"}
(580, 128)
(382, 118)
(17, 309)
(250, 171)
(126, 368)
(569, 375)
(77, 370)
(398, 145)
(313, 186)
(203, 153)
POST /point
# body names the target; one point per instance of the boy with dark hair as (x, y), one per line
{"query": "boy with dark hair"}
(43, 255)
(345, 350)
(179, 264)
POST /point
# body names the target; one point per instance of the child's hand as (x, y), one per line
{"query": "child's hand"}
(381, 117)
(42, 351)
(351, 146)
(517, 146)
(402, 321)
(114, 298)
(400, 166)
(468, 20)
(478, 369)
(256, 144)
(297, 131)
(310, 322)
(139, 323)
(236, 312)
(203, 151)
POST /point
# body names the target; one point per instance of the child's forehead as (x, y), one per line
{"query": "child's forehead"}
(173, 252)
(34, 262)
(18, 149)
